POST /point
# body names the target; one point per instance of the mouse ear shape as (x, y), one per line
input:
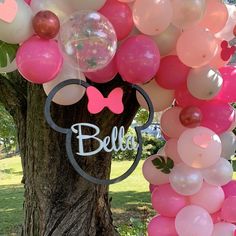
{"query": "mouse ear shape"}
(47, 108)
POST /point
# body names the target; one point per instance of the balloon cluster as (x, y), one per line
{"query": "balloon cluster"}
(178, 51)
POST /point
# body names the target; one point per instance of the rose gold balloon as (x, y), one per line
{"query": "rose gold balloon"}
(46, 24)
(190, 117)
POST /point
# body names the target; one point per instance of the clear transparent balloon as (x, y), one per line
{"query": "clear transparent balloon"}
(88, 41)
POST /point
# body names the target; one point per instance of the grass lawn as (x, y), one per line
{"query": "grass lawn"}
(130, 198)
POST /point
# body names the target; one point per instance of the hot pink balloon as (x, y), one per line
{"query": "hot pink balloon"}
(211, 118)
(209, 197)
(120, 15)
(171, 150)
(167, 202)
(171, 116)
(162, 226)
(227, 92)
(194, 220)
(230, 189)
(104, 75)
(174, 77)
(39, 60)
(138, 59)
(228, 210)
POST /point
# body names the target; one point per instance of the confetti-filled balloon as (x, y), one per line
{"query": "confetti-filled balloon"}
(88, 41)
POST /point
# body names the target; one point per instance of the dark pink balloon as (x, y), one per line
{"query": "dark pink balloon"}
(120, 15)
(228, 90)
(217, 116)
(230, 189)
(152, 187)
(104, 75)
(138, 59)
(162, 226)
(228, 211)
(172, 72)
(185, 99)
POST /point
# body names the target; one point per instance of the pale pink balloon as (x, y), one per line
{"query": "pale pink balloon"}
(152, 174)
(224, 229)
(209, 197)
(215, 17)
(167, 202)
(230, 189)
(152, 17)
(162, 226)
(199, 147)
(104, 75)
(194, 220)
(228, 210)
(171, 116)
(196, 47)
(161, 98)
(171, 150)
(187, 13)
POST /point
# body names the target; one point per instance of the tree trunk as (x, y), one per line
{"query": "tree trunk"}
(57, 200)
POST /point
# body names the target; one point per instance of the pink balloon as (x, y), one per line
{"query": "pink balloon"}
(230, 189)
(199, 147)
(152, 187)
(227, 92)
(196, 47)
(228, 210)
(167, 202)
(152, 174)
(171, 150)
(174, 77)
(216, 16)
(194, 220)
(216, 217)
(162, 226)
(211, 118)
(209, 197)
(39, 60)
(104, 75)
(171, 116)
(120, 15)
(28, 1)
(185, 99)
(138, 59)
(224, 229)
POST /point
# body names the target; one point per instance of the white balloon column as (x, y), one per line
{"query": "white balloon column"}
(180, 52)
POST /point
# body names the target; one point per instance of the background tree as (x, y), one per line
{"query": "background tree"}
(57, 200)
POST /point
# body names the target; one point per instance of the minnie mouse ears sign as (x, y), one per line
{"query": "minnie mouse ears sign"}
(115, 142)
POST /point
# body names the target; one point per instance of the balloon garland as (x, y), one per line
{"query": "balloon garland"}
(181, 53)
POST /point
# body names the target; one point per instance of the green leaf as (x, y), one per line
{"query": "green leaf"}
(7, 53)
(170, 163)
(164, 164)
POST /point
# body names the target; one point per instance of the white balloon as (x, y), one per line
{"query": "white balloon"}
(228, 141)
(21, 28)
(223, 229)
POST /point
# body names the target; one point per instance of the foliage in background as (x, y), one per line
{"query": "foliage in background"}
(7, 53)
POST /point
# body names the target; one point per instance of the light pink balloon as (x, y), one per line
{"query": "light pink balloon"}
(228, 210)
(152, 174)
(224, 229)
(199, 147)
(167, 202)
(171, 116)
(209, 197)
(104, 75)
(196, 47)
(39, 61)
(215, 17)
(171, 150)
(152, 17)
(194, 220)
(138, 59)
(162, 226)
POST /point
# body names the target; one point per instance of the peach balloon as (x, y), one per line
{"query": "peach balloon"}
(209, 197)
(199, 147)
(187, 13)
(170, 122)
(215, 17)
(196, 47)
(152, 174)
(152, 17)
(161, 98)
(171, 150)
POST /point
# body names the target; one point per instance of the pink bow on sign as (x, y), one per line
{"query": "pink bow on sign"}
(96, 101)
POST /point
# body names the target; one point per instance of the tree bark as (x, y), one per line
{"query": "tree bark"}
(57, 200)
